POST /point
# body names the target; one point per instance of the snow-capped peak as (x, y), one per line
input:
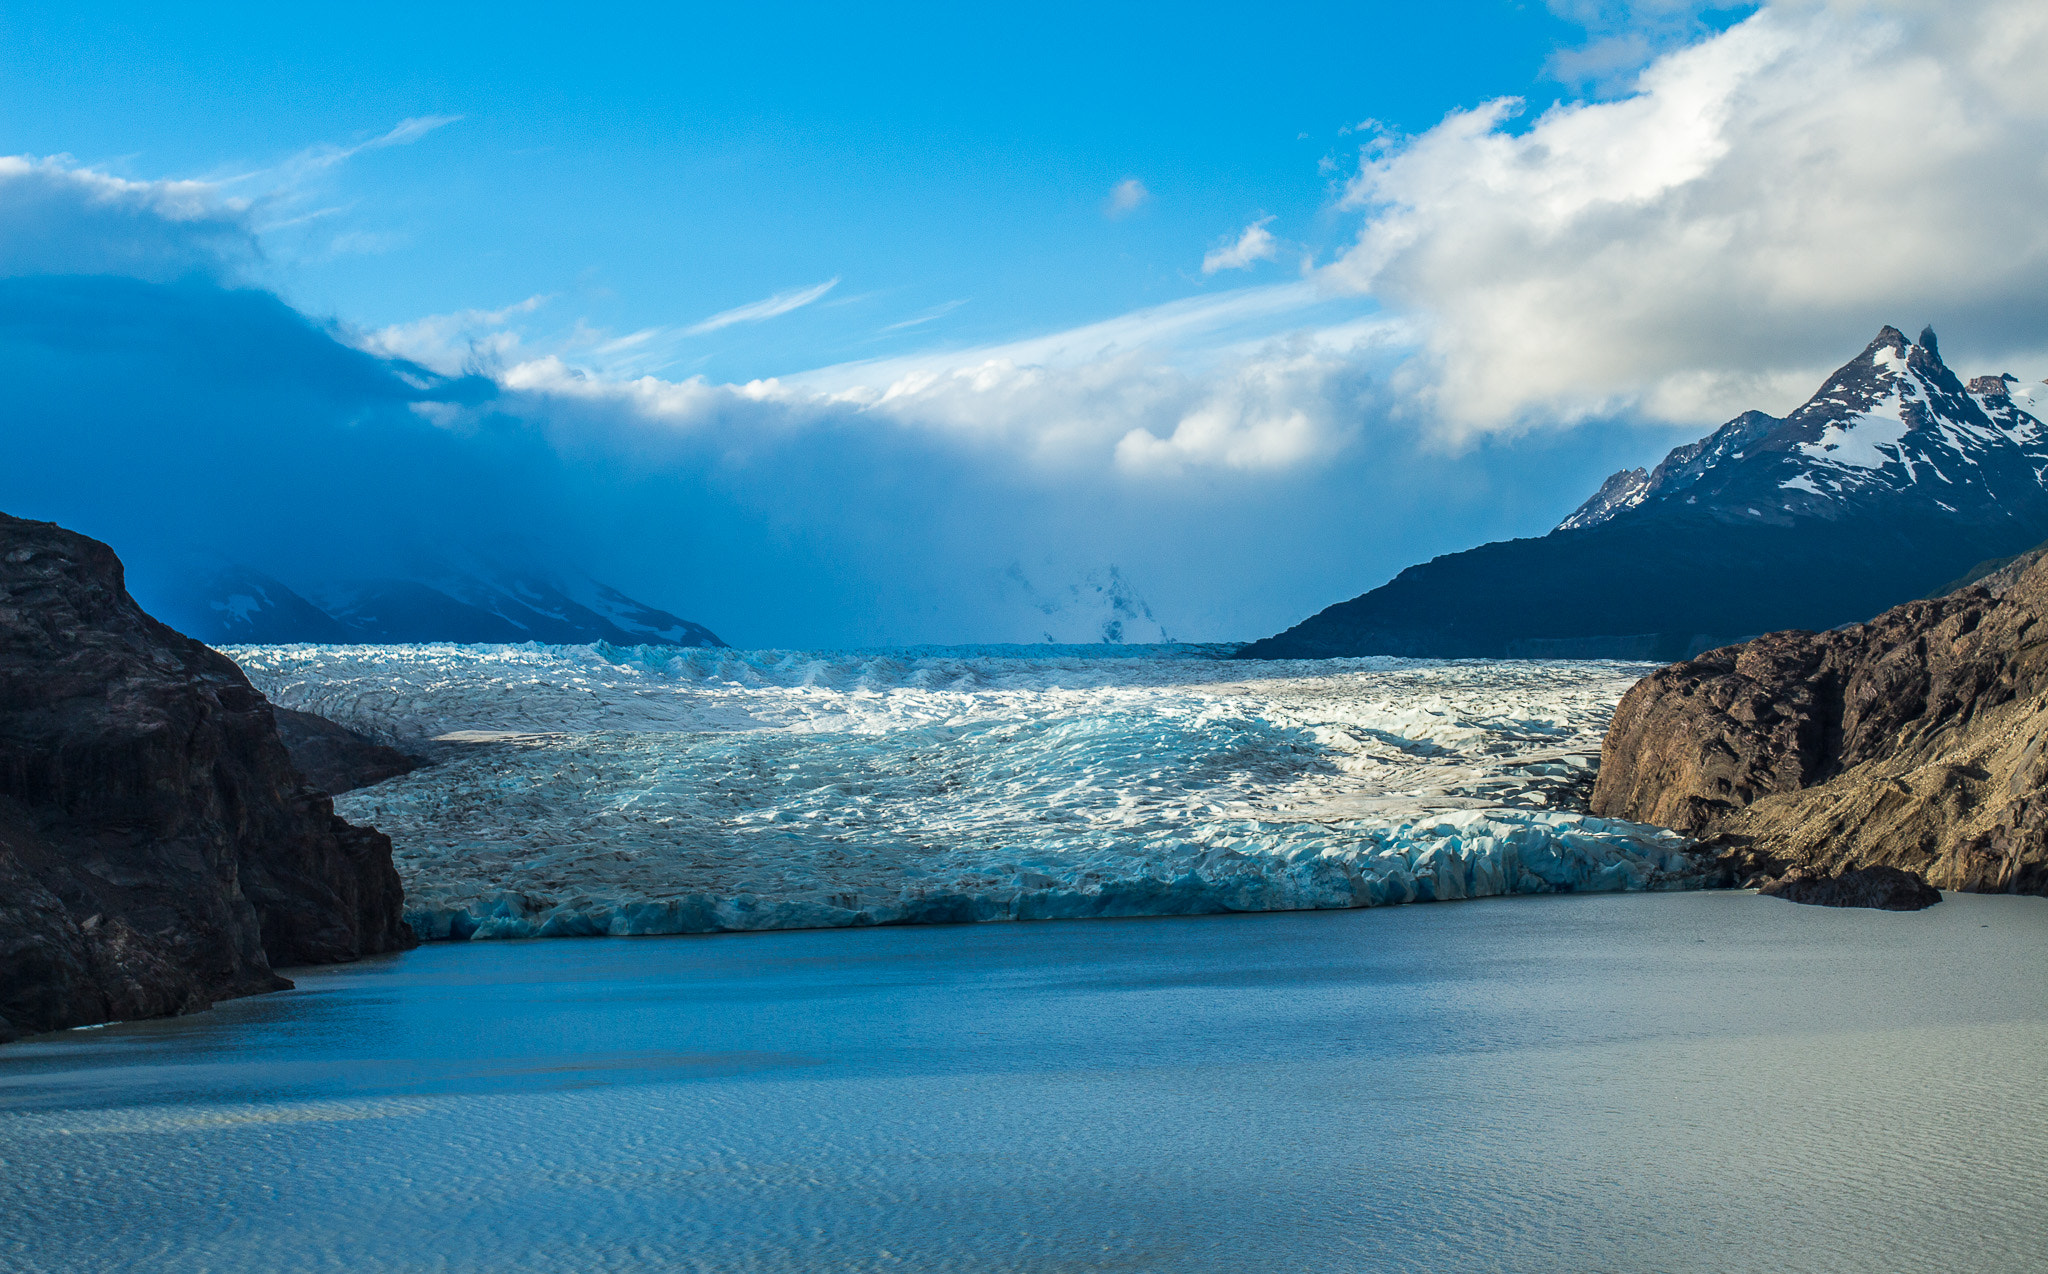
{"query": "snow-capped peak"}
(1892, 427)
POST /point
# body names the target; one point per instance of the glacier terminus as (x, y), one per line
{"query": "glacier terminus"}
(585, 790)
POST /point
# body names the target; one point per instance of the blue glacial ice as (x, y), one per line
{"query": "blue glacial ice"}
(601, 790)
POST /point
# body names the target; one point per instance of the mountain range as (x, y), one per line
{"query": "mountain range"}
(227, 603)
(1891, 481)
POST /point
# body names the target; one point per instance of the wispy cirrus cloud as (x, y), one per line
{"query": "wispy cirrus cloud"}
(919, 320)
(651, 350)
(766, 308)
(312, 160)
(294, 199)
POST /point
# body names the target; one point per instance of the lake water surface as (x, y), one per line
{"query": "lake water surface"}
(1621, 1082)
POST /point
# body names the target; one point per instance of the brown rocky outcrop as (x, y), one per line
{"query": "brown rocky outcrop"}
(1918, 741)
(158, 849)
(1881, 887)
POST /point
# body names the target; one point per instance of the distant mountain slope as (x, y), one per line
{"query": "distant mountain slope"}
(229, 604)
(233, 604)
(1892, 480)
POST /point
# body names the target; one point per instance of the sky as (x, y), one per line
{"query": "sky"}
(826, 327)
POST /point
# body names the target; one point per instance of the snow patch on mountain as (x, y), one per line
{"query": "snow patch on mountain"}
(1859, 441)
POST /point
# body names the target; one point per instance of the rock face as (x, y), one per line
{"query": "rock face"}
(1918, 740)
(334, 758)
(1882, 888)
(1889, 482)
(158, 850)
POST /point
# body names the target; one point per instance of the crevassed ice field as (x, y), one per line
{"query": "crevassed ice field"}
(593, 789)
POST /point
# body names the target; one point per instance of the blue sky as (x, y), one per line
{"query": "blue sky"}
(950, 168)
(828, 327)
(662, 164)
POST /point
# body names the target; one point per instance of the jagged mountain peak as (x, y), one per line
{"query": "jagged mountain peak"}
(1892, 427)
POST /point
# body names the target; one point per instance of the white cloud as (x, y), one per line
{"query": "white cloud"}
(58, 218)
(1259, 379)
(452, 342)
(1255, 244)
(1622, 36)
(763, 309)
(919, 320)
(1270, 413)
(1763, 202)
(1126, 197)
(318, 158)
(1230, 437)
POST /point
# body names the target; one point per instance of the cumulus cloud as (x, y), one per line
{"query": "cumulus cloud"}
(1270, 413)
(1713, 241)
(1268, 406)
(1255, 244)
(1126, 197)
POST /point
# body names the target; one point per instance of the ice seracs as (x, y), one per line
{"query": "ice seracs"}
(593, 789)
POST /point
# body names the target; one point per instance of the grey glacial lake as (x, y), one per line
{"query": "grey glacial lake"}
(1698, 1081)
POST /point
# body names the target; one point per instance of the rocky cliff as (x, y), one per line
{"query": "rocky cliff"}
(1918, 740)
(334, 758)
(158, 849)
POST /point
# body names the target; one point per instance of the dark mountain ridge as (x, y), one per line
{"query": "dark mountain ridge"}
(1889, 482)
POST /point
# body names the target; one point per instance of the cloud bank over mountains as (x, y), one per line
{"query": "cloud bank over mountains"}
(1708, 242)
(1701, 244)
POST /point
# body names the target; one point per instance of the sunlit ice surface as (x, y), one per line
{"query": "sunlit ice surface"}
(1707, 1081)
(599, 790)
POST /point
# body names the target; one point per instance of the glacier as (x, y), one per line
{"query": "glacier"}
(587, 790)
